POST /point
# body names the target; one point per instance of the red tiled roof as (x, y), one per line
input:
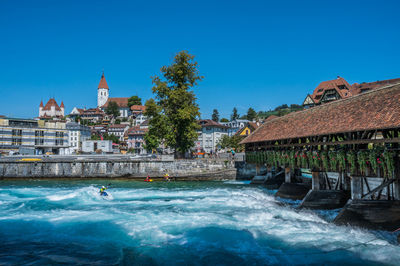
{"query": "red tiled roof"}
(210, 123)
(140, 108)
(331, 85)
(41, 104)
(136, 130)
(270, 117)
(117, 126)
(62, 104)
(92, 111)
(359, 88)
(103, 83)
(50, 103)
(121, 101)
(377, 109)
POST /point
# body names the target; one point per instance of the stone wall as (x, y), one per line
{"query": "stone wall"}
(182, 169)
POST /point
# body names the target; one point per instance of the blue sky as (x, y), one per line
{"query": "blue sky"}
(256, 54)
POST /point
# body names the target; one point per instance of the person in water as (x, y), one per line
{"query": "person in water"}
(103, 191)
(147, 179)
(166, 177)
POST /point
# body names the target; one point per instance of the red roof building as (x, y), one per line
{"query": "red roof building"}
(51, 109)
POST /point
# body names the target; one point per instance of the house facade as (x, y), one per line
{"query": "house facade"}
(135, 139)
(33, 136)
(339, 88)
(235, 125)
(118, 130)
(209, 135)
(77, 133)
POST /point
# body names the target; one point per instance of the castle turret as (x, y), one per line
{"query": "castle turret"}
(41, 109)
(62, 108)
(102, 92)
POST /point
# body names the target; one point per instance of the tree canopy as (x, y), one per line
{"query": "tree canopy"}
(251, 114)
(215, 115)
(235, 114)
(134, 100)
(224, 119)
(173, 112)
(112, 109)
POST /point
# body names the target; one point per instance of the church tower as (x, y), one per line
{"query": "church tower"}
(102, 92)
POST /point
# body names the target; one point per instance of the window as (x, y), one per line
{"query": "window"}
(17, 132)
(16, 141)
(39, 141)
(59, 134)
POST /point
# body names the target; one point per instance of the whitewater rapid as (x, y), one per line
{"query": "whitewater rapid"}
(50, 222)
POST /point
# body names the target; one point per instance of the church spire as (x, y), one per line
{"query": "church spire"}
(103, 82)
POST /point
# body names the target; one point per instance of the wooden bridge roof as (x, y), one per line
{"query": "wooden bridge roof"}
(376, 109)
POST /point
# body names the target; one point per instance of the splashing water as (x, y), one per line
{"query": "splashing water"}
(179, 223)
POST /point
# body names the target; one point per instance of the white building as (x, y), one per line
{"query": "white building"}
(90, 146)
(118, 130)
(103, 99)
(102, 92)
(51, 109)
(138, 114)
(210, 134)
(77, 133)
(32, 136)
(235, 125)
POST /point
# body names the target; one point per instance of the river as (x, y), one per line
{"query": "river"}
(176, 223)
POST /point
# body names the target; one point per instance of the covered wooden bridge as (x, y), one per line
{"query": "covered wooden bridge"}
(357, 138)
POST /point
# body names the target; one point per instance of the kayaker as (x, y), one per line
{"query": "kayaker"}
(166, 177)
(147, 179)
(103, 191)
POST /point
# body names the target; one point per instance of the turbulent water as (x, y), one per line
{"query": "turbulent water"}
(175, 223)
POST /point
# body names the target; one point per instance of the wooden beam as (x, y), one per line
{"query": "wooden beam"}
(345, 142)
(379, 188)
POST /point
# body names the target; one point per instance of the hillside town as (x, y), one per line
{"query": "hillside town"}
(102, 130)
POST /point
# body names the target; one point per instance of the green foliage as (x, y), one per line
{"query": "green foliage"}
(134, 100)
(251, 114)
(112, 109)
(231, 142)
(351, 159)
(333, 160)
(215, 115)
(174, 110)
(224, 120)
(325, 160)
(117, 121)
(362, 160)
(389, 163)
(235, 114)
(341, 157)
(281, 110)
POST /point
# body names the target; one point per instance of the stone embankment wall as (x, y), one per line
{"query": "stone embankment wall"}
(181, 169)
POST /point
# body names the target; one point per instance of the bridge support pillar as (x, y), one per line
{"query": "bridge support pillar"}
(316, 185)
(356, 187)
(288, 177)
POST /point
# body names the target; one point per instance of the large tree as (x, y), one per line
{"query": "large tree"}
(235, 114)
(251, 114)
(215, 115)
(174, 111)
(224, 120)
(134, 100)
(112, 109)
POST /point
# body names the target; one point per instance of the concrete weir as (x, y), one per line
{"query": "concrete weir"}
(294, 191)
(373, 214)
(118, 168)
(328, 192)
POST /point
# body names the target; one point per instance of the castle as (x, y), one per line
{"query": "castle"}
(51, 109)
